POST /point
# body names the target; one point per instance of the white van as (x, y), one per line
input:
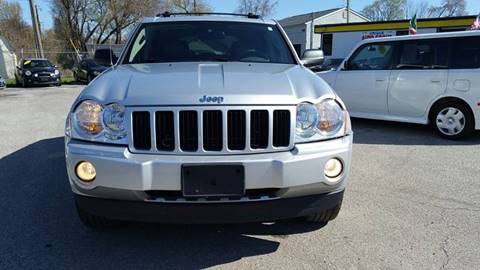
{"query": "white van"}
(425, 79)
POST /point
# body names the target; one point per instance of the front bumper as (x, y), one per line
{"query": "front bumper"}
(42, 80)
(241, 212)
(122, 175)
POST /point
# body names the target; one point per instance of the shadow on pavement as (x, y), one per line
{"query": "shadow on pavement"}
(39, 227)
(395, 133)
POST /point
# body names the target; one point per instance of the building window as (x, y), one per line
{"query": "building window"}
(451, 29)
(327, 43)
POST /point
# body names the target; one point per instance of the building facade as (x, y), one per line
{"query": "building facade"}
(8, 59)
(299, 28)
(340, 39)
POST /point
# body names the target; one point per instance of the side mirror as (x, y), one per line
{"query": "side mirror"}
(105, 57)
(313, 58)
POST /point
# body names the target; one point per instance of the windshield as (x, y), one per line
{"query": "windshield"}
(36, 63)
(208, 42)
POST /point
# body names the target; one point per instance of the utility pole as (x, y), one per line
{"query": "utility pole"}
(348, 11)
(36, 28)
(194, 6)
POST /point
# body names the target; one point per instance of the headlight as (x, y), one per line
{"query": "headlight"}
(331, 117)
(114, 121)
(307, 119)
(57, 72)
(88, 117)
(320, 121)
(28, 72)
(93, 121)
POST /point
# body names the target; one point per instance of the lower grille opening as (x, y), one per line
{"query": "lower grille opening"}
(251, 194)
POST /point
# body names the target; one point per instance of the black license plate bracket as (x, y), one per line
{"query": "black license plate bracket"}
(213, 180)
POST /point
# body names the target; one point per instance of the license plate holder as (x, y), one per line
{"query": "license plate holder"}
(213, 180)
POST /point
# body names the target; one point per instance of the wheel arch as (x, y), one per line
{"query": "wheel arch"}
(448, 99)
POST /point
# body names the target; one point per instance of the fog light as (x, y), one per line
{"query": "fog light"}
(333, 169)
(86, 171)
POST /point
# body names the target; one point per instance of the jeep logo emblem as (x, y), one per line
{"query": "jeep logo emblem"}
(209, 99)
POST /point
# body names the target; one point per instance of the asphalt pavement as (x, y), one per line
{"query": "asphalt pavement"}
(413, 202)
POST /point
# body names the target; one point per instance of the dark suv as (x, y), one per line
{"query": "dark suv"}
(37, 72)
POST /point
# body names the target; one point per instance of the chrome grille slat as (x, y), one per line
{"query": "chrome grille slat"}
(225, 126)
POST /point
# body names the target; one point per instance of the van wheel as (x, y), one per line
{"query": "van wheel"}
(452, 120)
(95, 222)
(325, 216)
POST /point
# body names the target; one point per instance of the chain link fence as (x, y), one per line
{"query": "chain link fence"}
(64, 60)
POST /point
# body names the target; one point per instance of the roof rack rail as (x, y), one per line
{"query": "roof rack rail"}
(168, 14)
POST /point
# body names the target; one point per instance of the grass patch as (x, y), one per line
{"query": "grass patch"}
(10, 82)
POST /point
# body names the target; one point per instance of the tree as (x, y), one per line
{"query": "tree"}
(97, 21)
(385, 10)
(421, 8)
(187, 6)
(12, 26)
(449, 8)
(263, 8)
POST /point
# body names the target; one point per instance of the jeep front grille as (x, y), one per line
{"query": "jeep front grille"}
(212, 130)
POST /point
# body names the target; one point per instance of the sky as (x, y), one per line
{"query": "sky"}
(285, 8)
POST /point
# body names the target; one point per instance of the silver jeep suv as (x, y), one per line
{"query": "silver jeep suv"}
(208, 119)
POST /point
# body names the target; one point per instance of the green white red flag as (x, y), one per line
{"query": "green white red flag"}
(412, 30)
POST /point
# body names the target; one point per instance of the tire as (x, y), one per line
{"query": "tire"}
(24, 84)
(325, 216)
(452, 120)
(94, 222)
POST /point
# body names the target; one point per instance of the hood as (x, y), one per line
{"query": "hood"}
(207, 84)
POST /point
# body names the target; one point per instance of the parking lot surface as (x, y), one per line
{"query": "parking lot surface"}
(413, 202)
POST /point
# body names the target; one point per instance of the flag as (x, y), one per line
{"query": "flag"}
(412, 30)
(476, 23)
